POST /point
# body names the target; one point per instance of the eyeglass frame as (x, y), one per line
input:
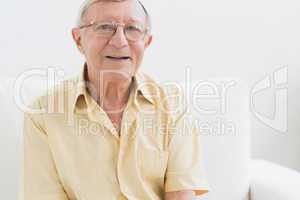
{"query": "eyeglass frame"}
(92, 23)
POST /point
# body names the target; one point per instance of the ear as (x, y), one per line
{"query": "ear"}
(77, 38)
(148, 41)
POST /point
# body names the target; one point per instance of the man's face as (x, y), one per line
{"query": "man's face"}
(104, 53)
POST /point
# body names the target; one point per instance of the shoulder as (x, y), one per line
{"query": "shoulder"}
(169, 96)
(51, 99)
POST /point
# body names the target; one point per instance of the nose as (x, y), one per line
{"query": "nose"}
(119, 40)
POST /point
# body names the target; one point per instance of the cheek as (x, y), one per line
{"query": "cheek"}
(138, 51)
(93, 47)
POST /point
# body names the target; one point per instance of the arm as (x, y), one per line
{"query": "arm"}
(185, 176)
(40, 178)
(180, 195)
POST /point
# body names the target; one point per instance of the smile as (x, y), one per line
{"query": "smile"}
(118, 58)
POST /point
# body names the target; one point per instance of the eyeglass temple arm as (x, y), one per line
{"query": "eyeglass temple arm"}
(86, 25)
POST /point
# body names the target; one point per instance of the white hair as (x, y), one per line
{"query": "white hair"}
(88, 3)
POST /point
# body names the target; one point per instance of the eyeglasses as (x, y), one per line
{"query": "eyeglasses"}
(108, 29)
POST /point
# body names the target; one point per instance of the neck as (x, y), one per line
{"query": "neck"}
(111, 92)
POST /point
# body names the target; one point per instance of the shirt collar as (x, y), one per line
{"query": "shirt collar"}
(143, 87)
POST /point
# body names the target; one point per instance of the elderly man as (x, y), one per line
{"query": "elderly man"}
(120, 135)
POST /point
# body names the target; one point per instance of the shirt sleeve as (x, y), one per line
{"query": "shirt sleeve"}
(185, 170)
(39, 175)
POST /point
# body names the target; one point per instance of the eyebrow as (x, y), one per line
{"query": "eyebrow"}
(134, 21)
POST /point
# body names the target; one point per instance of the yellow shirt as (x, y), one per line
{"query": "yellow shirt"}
(72, 150)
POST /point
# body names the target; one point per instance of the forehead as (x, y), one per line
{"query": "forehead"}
(128, 10)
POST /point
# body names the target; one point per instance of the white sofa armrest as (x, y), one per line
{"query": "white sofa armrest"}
(271, 181)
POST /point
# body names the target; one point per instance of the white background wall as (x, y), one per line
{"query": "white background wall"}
(234, 38)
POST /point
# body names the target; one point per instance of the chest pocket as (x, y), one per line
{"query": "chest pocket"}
(152, 163)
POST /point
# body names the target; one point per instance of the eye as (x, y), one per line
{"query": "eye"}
(134, 28)
(104, 28)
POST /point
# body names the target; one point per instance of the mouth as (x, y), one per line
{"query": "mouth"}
(118, 58)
